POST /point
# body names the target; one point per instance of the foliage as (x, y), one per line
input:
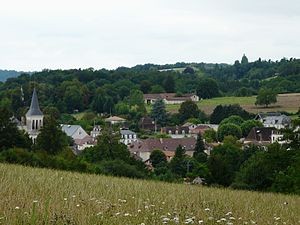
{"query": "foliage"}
(247, 125)
(237, 120)
(51, 138)
(229, 129)
(158, 158)
(266, 97)
(158, 112)
(224, 111)
(210, 135)
(187, 110)
(199, 153)
(207, 88)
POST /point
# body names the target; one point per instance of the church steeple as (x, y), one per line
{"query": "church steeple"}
(34, 109)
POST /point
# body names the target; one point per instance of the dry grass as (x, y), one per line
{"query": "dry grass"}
(41, 196)
(285, 102)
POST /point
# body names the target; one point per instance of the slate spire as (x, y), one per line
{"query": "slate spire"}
(34, 109)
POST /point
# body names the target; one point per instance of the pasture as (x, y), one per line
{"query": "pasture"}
(42, 196)
(285, 102)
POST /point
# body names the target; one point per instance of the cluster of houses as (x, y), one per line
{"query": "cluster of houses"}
(184, 135)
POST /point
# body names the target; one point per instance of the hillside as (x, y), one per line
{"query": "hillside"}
(285, 102)
(4, 74)
(40, 196)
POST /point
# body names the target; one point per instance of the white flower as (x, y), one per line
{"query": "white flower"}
(65, 199)
(17, 207)
(231, 218)
(126, 214)
(229, 213)
(200, 221)
(77, 205)
(223, 219)
(139, 210)
(207, 209)
(35, 201)
(74, 196)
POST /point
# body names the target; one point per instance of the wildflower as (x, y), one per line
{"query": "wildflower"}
(231, 218)
(139, 210)
(142, 224)
(126, 214)
(146, 207)
(35, 201)
(117, 214)
(189, 220)
(229, 223)
(228, 214)
(210, 218)
(200, 221)
(223, 219)
(165, 219)
(65, 199)
(17, 207)
(219, 221)
(207, 209)
(77, 205)
(74, 196)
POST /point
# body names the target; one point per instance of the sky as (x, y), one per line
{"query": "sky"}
(65, 34)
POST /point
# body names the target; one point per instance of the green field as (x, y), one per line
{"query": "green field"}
(285, 102)
(41, 196)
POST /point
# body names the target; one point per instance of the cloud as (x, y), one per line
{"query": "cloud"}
(72, 34)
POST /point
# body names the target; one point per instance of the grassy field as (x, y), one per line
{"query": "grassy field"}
(285, 102)
(41, 196)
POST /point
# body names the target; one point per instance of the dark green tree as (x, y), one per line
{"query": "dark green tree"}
(208, 88)
(159, 113)
(237, 120)
(158, 158)
(187, 110)
(199, 153)
(169, 84)
(51, 138)
(178, 164)
(244, 59)
(229, 129)
(266, 97)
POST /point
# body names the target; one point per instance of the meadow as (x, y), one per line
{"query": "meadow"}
(42, 196)
(285, 102)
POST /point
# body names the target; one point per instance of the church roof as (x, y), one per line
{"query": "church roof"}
(34, 109)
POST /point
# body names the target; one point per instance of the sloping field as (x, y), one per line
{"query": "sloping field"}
(41, 196)
(285, 102)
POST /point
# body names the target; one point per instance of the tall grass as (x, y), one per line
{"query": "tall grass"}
(42, 196)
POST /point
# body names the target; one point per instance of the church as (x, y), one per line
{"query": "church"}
(34, 118)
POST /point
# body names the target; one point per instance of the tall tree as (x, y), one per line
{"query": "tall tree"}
(266, 97)
(158, 158)
(159, 113)
(169, 84)
(199, 153)
(187, 110)
(51, 138)
(208, 88)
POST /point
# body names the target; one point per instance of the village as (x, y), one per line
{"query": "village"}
(166, 139)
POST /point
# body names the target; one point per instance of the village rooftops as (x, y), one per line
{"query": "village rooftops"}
(163, 144)
(115, 119)
(261, 135)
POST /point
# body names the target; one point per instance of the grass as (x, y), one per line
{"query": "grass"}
(41, 196)
(285, 102)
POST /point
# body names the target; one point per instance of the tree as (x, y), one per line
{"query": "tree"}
(199, 153)
(145, 86)
(156, 89)
(51, 138)
(178, 164)
(237, 120)
(266, 97)
(208, 88)
(169, 84)
(158, 158)
(159, 113)
(247, 125)
(210, 135)
(244, 59)
(187, 110)
(229, 129)
(73, 99)
(223, 111)
(223, 163)
(10, 136)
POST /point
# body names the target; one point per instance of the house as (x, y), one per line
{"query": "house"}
(170, 98)
(176, 132)
(127, 136)
(263, 136)
(115, 120)
(34, 118)
(143, 148)
(81, 138)
(273, 119)
(96, 131)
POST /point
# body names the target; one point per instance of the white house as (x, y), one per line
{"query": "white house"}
(170, 98)
(81, 138)
(276, 120)
(127, 136)
(96, 131)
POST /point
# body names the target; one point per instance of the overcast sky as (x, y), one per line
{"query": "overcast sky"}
(38, 34)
